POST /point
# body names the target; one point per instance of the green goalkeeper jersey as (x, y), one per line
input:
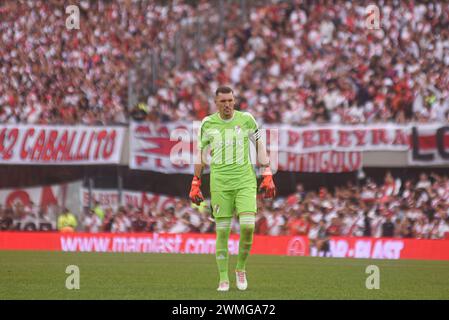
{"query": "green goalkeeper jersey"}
(229, 140)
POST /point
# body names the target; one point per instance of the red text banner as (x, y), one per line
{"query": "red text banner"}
(387, 248)
(191, 243)
(343, 138)
(61, 145)
(340, 247)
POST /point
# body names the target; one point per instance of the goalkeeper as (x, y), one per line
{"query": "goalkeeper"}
(233, 183)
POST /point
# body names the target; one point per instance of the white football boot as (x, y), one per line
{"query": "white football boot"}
(240, 277)
(223, 286)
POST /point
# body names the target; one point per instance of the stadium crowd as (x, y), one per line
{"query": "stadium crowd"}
(396, 208)
(296, 62)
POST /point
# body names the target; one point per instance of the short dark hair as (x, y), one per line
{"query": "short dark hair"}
(223, 89)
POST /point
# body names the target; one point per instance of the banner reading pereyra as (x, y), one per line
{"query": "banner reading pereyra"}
(304, 149)
(60, 145)
(346, 138)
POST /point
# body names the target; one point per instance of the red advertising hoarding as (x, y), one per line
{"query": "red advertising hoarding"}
(344, 247)
(145, 242)
(389, 248)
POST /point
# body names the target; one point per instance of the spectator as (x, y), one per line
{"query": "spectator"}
(6, 220)
(388, 228)
(98, 210)
(261, 224)
(67, 221)
(367, 225)
(421, 228)
(296, 197)
(334, 229)
(121, 222)
(299, 224)
(182, 225)
(322, 241)
(92, 222)
(109, 220)
(406, 228)
(140, 223)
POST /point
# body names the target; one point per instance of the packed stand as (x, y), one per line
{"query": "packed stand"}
(296, 62)
(396, 208)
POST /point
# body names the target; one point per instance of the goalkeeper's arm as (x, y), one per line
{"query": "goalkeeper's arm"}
(195, 194)
(262, 157)
(261, 149)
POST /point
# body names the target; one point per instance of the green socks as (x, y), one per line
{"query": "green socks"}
(247, 226)
(223, 229)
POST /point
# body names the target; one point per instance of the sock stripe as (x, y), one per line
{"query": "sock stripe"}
(223, 225)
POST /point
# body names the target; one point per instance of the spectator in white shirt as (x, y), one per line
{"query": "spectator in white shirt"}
(92, 223)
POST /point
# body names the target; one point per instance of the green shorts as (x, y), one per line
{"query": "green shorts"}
(225, 203)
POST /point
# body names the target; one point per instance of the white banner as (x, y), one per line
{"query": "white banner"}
(31, 201)
(42, 196)
(137, 199)
(340, 138)
(61, 145)
(304, 149)
(429, 145)
(151, 145)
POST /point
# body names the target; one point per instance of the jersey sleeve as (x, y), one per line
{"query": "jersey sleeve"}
(203, 137)
(253, 127)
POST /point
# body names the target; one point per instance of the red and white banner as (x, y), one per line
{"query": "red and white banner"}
(146, 243)
(387, 248)
(429, 145)
(343, 247)
(61, 145)
(321, 161)
(137, 199)
(343, 138)
(305, 149)
(153, 146)
(42, 196)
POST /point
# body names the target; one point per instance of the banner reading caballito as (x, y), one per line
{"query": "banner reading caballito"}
(61, 145)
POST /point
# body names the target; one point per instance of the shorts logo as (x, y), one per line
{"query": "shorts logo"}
(216, 208)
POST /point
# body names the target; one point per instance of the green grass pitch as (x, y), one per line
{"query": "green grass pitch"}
(41, 275)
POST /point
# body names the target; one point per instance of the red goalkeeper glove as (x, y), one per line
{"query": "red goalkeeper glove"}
(195, 194)
(268, 184)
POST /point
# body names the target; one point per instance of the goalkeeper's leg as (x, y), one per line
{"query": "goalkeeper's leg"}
(246, 205)
(247, 226)
(223, 229)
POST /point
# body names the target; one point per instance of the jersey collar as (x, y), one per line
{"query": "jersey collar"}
(228, 120)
